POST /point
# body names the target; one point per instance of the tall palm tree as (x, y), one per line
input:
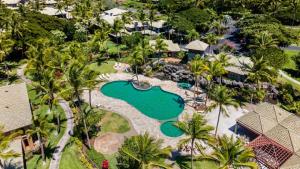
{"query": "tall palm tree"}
(116, 28)
(146, 152)
(137, 58)
(229, 152)
(37, 5)
(215, 69)
(4, 145)
(198, 67)
(192, 35)
(47, 90)
(41, 128)
(90, 82)
(76, 79)
(160, 46)
(259, 71)
(223, 98)
(196, 130)
(211, 39)
(264, 40)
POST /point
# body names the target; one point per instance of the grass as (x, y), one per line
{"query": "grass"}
(112, 122)
(291, 64)
(106, 67)
(185, 163)
(53, 139)
(70, 159)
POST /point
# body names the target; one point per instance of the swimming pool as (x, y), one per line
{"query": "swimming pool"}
(155, 102)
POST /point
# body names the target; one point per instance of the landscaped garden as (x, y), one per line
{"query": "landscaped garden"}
(147, 84)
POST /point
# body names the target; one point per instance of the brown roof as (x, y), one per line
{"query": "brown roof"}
(15, 112)
(292, 163)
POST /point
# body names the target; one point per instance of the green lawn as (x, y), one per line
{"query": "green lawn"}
(105, 67)
(112, 122)
(291, 64)
(184, 163)
(70, 159)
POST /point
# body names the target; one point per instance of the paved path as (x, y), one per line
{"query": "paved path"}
(284, 75)
(54, 163)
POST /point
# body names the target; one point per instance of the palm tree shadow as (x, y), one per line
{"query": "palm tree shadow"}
(49, 150)
(183, 162)
(9, 164)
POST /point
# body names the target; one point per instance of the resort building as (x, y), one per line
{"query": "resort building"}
(158, 26)
(12, 4)
(55, 12)
(111, 15)
(275, 136)
(172, 48)
(236, 69)
(15, 113)
(196, 47)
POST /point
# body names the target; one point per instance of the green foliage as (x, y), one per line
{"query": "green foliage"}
(96, 157)
(275, 56)
(253, 24)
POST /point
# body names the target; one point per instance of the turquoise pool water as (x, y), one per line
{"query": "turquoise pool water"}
(170, 130)
(155, 102)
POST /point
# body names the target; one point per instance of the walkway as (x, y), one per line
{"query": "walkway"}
(284, 75)
(54, 163)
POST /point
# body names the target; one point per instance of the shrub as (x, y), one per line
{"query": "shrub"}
(95, 156)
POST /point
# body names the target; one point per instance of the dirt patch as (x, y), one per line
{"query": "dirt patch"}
(108, 143)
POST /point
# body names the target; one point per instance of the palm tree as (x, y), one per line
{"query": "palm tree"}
(264, 40)
(41, 128)
(6, 46)
(116, 28)
(137, 58)
(47, 90)
(37, 5)
(197, 66)
(229, 152)
(76, 79)
(195, 129)
(4, 145)
(211, 39)
(160, 45)
(259, 71)
(90, 82)
(215, 69)
(223, 98)
(145, 151)
(192, 35)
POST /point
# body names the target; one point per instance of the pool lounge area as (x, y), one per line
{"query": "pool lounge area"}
(155, 103)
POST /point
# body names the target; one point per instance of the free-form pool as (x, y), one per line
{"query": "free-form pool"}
(155, 102)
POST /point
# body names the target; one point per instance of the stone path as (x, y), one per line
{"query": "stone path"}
(54, 163)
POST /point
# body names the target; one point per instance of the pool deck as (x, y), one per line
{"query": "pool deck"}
(143, 123)
(140, 122)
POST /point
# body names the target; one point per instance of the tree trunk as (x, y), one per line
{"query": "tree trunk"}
(219, 115)
(192, 154)
(86, 133)
(90, 97)
(42, 147)
(23, 155)
(195, 90)
(1, 164)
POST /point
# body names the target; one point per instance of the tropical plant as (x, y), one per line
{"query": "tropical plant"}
(47, 89)
(196, 131)
(229, 152)
(5, 140)
(263, 40)
(223, 98)
(41, 127)
(192, 35)
(197, 66)
(160, 46)
(211, 39)
(259, 71)
(143, 152)
(6, 46)
(76, 79)
(137, 59)
(91, 81)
